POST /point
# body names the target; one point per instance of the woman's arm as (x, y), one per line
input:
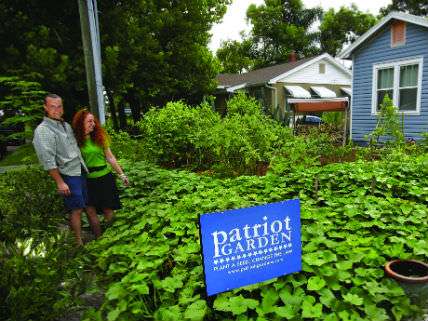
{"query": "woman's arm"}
(113, 162)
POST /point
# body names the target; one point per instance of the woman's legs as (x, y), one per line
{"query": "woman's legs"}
(75, 224)
(91, 213)
(108, 214)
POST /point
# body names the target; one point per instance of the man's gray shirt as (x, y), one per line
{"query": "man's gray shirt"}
(56, 147)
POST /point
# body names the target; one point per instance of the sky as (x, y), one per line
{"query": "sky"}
(234, 19)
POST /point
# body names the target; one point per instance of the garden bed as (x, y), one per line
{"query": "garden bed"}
(152, 267)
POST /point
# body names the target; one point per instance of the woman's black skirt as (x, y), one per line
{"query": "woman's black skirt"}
(103, 193)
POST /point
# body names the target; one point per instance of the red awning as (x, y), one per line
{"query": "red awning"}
(318, 105)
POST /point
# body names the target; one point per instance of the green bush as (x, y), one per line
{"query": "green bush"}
(23, 155)
(178, 135)
(25, 97)
(197, 138)
(36, 258)
(335, 119)
(32, 278)
(389, 126)
(30, 206)
(124, 146)
(241, 104)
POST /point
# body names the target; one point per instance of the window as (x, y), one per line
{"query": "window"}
(321, 68)
(398, 33)
(385, 85)
(408, 87)
(259, 95)
(401, 81)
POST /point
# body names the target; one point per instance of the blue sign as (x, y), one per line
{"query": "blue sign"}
(250, 245)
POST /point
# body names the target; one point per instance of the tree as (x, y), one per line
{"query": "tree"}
(160, 51)
(234, 56)
(153, 50)
(40, 41)
(343, 27)
(419, 8)
(280, 27)
(21, 100)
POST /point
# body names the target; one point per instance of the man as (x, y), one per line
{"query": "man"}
(59, 154)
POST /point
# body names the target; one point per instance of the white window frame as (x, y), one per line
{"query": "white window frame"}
(396, 85)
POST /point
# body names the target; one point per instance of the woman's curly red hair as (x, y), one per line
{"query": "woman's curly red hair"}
(98, 135)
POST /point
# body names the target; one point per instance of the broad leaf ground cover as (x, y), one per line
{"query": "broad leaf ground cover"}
(355, 217)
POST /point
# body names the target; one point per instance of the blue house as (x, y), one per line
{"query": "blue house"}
(390, 59)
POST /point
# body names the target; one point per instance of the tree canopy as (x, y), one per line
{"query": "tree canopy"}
(41, 41)
(234, 56)
(153, 50)
(280, 27)
(416, 7)
(343, 27)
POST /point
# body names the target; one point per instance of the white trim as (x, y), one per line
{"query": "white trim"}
(236, 87)
(308, 63)
(315, 100)
(421, 21)
(396, 64)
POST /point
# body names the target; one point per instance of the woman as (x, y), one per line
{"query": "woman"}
(94, 146)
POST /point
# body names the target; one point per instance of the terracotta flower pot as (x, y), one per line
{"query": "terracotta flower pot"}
(412, 276)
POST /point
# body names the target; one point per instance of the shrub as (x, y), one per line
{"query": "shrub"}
(30, 206)
(124, 146)
(335, 119)
(388, 127)
(35, 257)
(22, 99)
(31, 278)
(241, 104)
(177, 134)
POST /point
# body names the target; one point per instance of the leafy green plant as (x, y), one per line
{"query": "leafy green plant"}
(150, 260)
(197, 138)
(32, 278)
(39, 275)
(388, 125)
(23, 100)
(177, 134)
(26, 211)
(335, 119)
(23, 155)
(125, 146)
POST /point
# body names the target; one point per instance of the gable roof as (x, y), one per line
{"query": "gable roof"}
(272, 74)
(417, 20)
(258, 76)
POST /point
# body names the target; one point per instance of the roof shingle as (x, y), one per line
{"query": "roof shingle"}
(258, 76)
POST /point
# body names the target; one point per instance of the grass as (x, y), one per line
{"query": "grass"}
(23, 155)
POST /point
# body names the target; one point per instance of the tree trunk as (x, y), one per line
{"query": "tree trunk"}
(122, 116)
(135, 106)
(112, 110)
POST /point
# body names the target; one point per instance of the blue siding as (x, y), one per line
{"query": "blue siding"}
(378, 50)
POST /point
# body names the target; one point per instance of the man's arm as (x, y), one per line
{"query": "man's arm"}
(61, 185)
(45, 147)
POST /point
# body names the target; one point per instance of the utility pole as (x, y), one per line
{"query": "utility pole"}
(92, 52)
